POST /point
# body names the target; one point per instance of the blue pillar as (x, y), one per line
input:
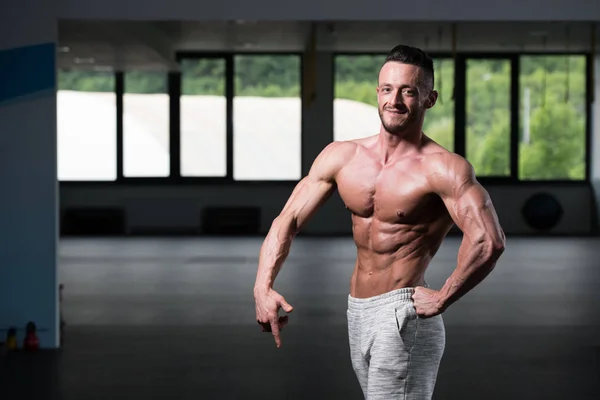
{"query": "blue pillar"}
(28, 180)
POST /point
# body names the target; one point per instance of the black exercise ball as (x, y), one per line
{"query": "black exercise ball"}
(542, 211)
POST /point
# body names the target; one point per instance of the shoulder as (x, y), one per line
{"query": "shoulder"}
(455, 165)
(338, 152)
(340, 148)
(448, 173)
(332, 158)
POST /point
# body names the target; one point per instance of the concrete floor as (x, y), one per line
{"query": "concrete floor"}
(174, 319)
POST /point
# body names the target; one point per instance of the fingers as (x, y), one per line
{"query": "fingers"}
(267, 316)
(264, 326)
(285, 305)
(275, 325)
(417, 292)
(282, 322)
(275, 330)
(415, 300)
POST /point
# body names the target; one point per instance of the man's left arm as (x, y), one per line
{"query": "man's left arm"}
(471, 208)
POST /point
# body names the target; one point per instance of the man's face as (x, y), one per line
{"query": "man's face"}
(404, 94)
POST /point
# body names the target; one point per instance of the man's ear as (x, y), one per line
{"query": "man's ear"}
(431, 99)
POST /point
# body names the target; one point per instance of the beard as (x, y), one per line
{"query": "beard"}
(396, 124)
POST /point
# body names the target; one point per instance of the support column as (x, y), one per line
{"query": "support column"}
(317, 117)
(317, 133)
(28, 180)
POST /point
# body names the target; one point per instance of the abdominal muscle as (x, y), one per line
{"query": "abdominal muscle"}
(392, 256)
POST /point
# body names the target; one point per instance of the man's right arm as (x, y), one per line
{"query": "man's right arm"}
(308, 195)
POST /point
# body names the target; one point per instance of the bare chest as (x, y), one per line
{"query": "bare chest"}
(397, 194)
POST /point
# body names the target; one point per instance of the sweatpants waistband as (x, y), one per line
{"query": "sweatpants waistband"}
(395, 296)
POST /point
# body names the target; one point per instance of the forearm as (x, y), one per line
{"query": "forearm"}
(274, 251)
(475, 262)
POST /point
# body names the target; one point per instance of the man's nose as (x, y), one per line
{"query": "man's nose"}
(398, 103)
(397, 100)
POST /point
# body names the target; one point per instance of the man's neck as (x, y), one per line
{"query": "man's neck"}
(395, 146)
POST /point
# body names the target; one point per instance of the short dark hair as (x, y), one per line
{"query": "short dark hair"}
(414, 56)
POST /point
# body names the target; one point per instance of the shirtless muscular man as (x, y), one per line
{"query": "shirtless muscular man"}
(404, 192)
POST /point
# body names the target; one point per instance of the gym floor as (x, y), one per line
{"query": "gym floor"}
(174, 319)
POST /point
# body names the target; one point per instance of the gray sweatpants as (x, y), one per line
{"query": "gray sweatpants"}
(395, 354)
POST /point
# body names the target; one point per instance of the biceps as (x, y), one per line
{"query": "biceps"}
(308, 195)
(474, 213)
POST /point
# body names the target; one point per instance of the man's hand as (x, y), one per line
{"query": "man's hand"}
(426, 302)
(268, 303)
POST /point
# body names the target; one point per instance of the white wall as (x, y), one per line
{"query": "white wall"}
(425, 10)
(28, 200)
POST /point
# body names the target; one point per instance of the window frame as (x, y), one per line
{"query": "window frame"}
(174, 91)
(461, 114)
(119, 80)
(515, 58)
(175, 113)
(460, 109)
(588, 99)
(266, 182)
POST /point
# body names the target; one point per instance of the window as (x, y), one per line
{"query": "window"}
(439, 120)
(267, 121)
(355, 101)
(488, 116)
(86, 126)
(146, 125)
(355, 104)
(203, 114)
(552, 119)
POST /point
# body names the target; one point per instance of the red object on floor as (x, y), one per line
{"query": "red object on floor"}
(31, 341)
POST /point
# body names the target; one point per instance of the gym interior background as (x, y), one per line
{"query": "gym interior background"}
(213, 115)
(196, 120)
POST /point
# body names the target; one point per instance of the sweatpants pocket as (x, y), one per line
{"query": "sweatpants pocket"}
(407, 324)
